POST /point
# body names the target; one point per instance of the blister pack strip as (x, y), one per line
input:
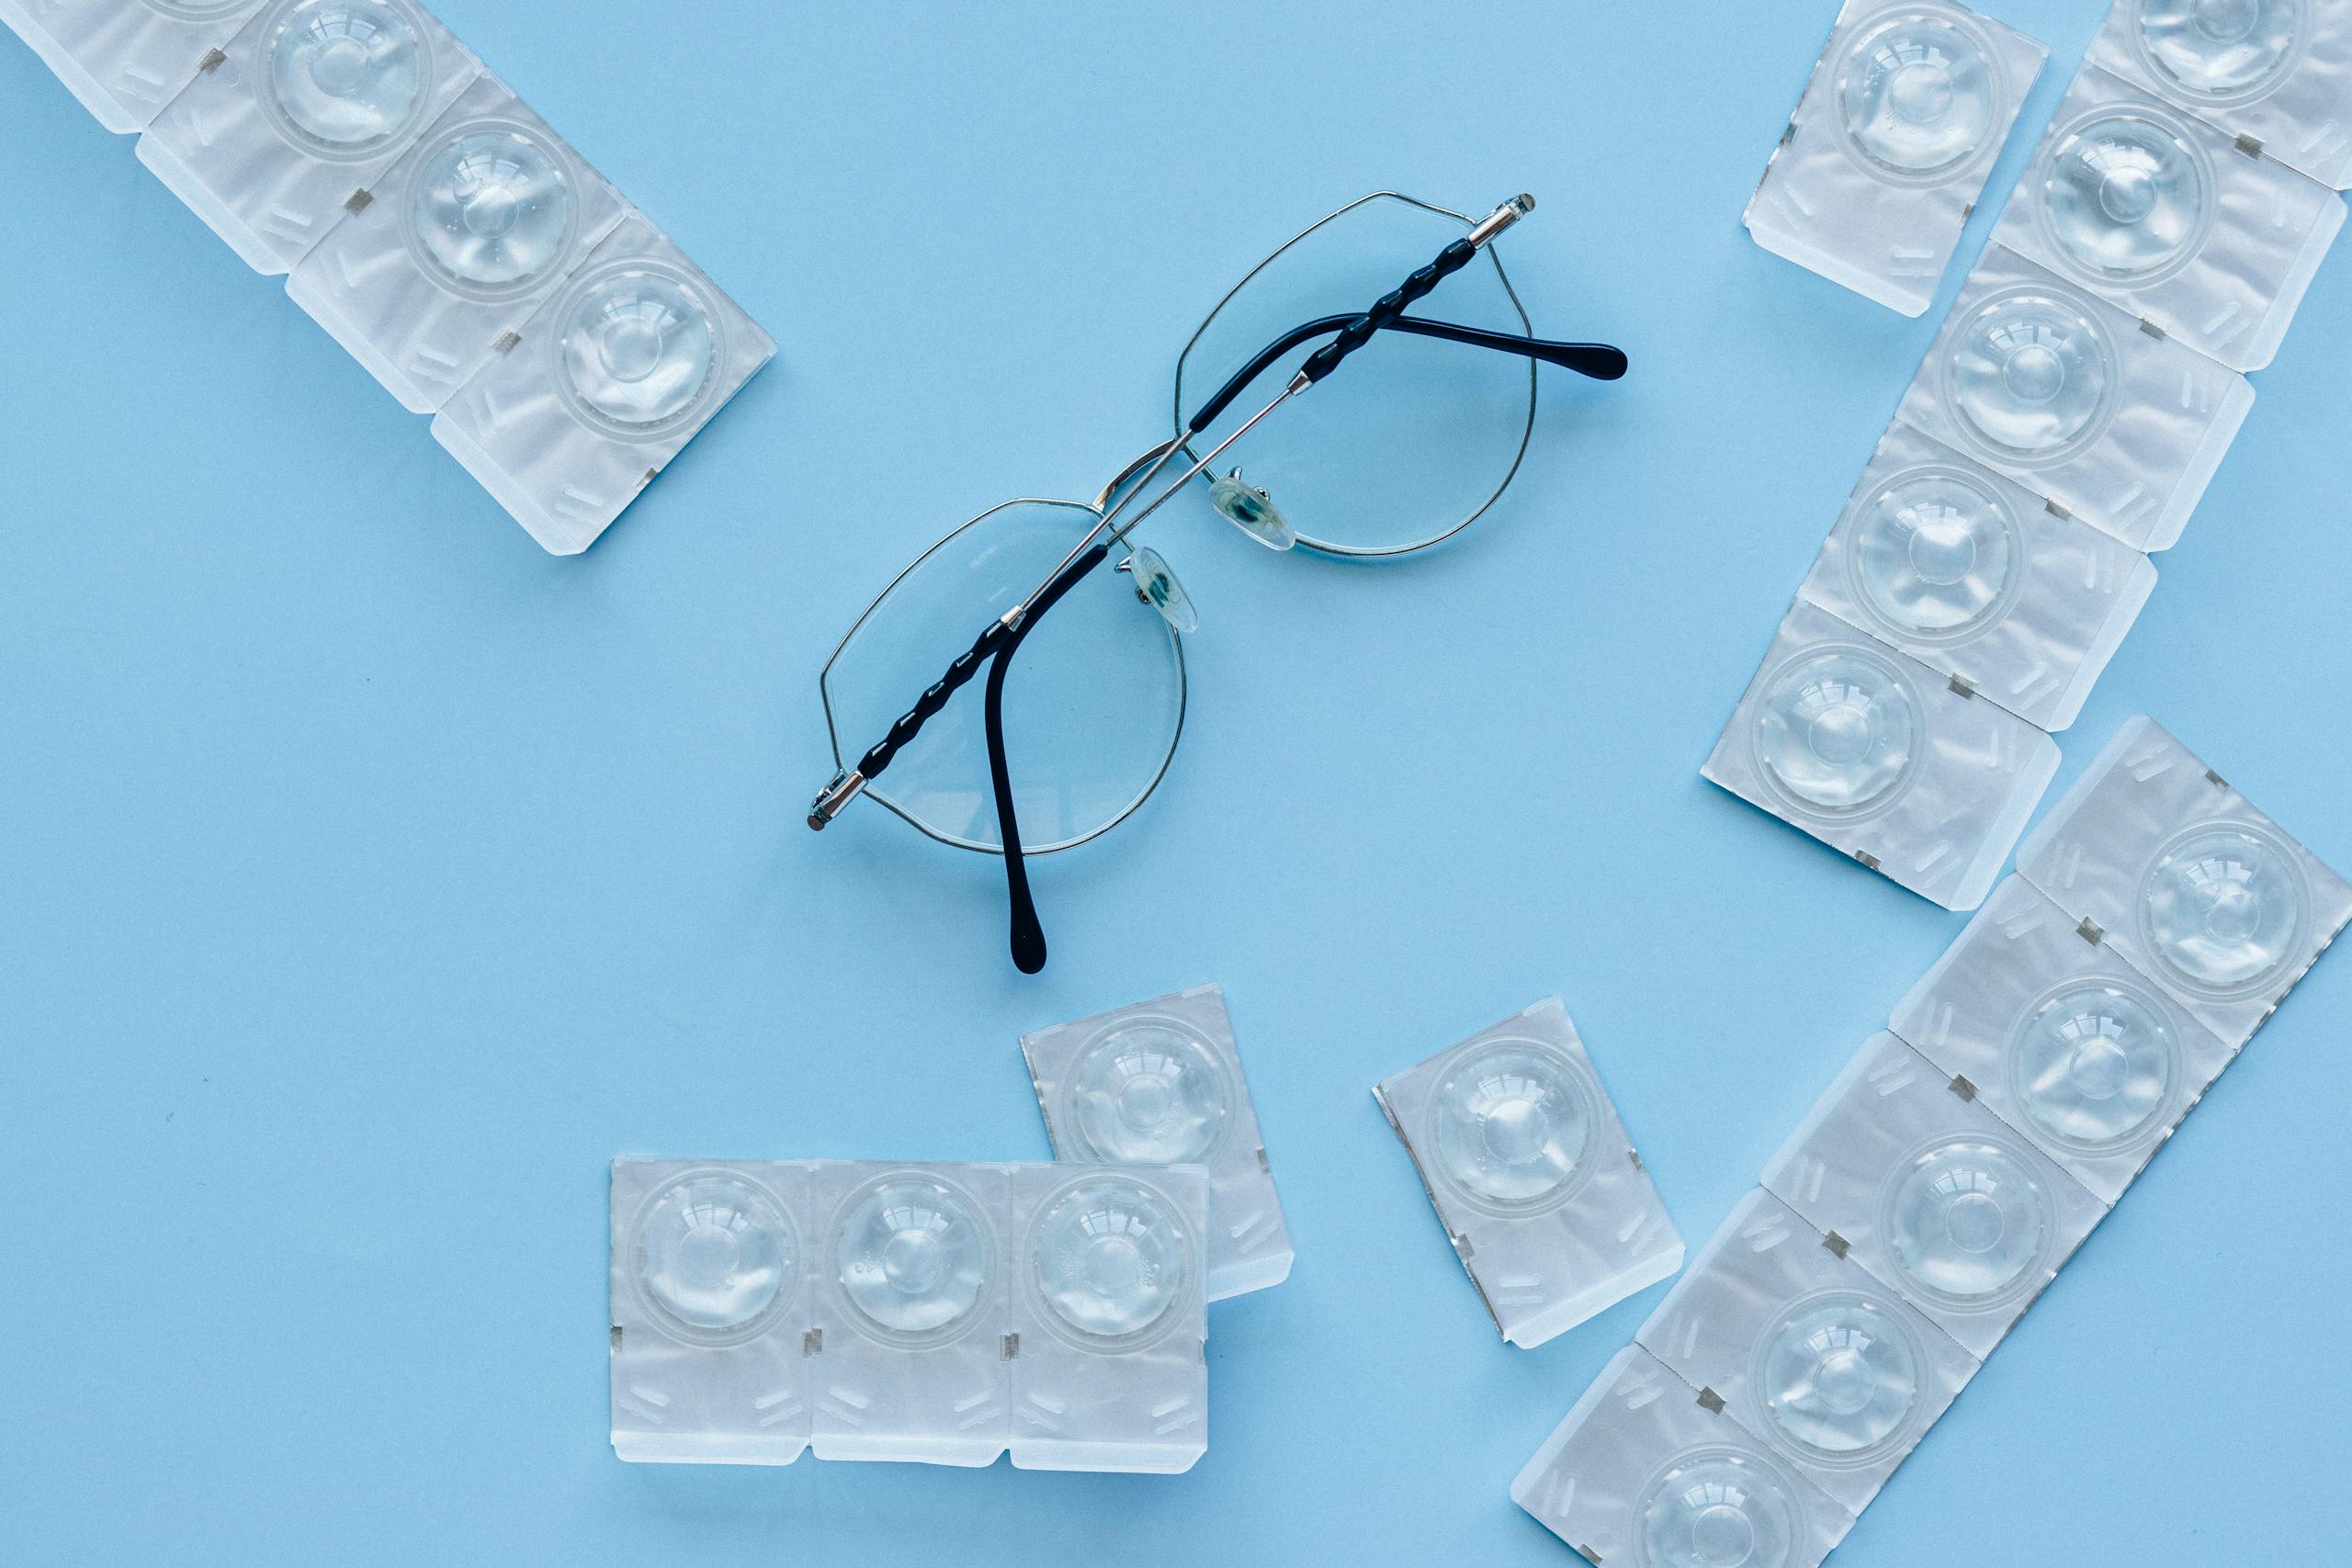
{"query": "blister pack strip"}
(928, 1312)
(1160, 1083)
(126, 59)
(2277, 73)
(1530, 1170)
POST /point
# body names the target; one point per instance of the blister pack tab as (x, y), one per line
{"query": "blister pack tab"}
(2074, 399)
(2199, 890)
(939, 1314)
(458, 244)
(2152, 209)
(1642, 1473)
(126, 59)
(1879, 757)
(1160, 1083)
(1906, 1174)
(1883, 162)
(2061, 1038)
(296, 117)
(1530, 1170)
(1806, 1349)
(1975, 577)
(605, 383)
(2278, 73)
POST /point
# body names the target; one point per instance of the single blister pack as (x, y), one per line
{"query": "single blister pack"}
(1642, 1473)
(1160, 1083)
(2154, 852)
(1975, 577)
(2061, 1038)
(291, 122)
(1883, 759)
(1883, 162)
(1808, 1349)
(126, 59)
(1904, 1171)
(1530, 1170)
(2074, 399)
(2152, 209)
(457, 245)
(2278, 73)
(603, 385)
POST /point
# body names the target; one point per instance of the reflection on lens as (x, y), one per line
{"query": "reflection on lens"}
(1512, 1123)
(1839, 1377)
(2222, 909)
(1718, 1508)
(2126, 195)
(1937, 554)
(1111, 1257)
(2030, 374)
(348, 72)
(639, 346)
(1918, 94)
(1969, 1222)
(2094, 1067)
(912, 1255)
(1837, 731)
(2222, 50)
(715, 1255)
(493, 208)
(1147, 1094)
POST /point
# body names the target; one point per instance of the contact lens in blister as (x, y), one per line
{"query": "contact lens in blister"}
(1718, 1508)
(1512, 1122)
(348, 73)
(2126, 195)
(1919, 96)
(1110, 1258)
(2222, 909)
(2222, 51)
(1838, 731)
(1938, 555)
(493, 208)
(1148, 1094)
(1969, 1222)
(2030, 374)
(2093, 1067)
(638, 347)
(716, 1255)
(912, 1255)
(1839, 1376)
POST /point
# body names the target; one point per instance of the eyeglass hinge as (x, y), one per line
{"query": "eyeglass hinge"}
(828, 804)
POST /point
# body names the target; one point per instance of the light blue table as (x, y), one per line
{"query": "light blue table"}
(368, 879)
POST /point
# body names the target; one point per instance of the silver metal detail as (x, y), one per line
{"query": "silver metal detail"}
(830, 800)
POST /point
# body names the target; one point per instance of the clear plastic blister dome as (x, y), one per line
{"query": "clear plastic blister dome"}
(126, 59)
(2276, 72)
(1877, 756)
(1889, 147)
(1968, 1222)
(1530, 1170)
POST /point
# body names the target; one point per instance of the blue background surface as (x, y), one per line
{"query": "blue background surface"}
(368, 879)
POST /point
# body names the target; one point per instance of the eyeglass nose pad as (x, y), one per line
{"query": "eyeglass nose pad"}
(1157, 586)
(1252, 511)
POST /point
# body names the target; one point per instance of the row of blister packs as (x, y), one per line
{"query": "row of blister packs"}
(462, 252)
(1955, 1165)
(2064, 424)
(946, 1314)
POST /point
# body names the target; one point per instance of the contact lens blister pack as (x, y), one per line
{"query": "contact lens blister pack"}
(2071, 397)
(2153, 853)
(459, 241)
(938, 1314)
(1807, 1350)
(1642, 1473)
(1881, 757)
(2151, 207)
(126, 59)
(1523, 1158)
(2278, 73)
(1160, 1083)
(1904, 1172)
(1888, 150)
(1974, 576)
(294, 119)
(2061, 1038)
(604, 384)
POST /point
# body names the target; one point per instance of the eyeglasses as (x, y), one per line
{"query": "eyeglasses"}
(1408, 449)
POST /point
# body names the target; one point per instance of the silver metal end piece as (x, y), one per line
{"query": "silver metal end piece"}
(1502, 217)
(828, 804)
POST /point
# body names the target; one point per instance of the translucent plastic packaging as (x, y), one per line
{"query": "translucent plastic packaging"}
(2061, 1038)
(2151, 207)
(939, 1314)
(462, 239)
(126, 59)
(1904, 1171)
(1528, 1168)
(2199, 891)
(298, 116)
(1806, 1349)
(1160, 1083)
(2276, 72)
(1641, 1473)
(1875, 178)
(1973, 575)
(2069, 396)
(1878, 756)
(605, 383)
